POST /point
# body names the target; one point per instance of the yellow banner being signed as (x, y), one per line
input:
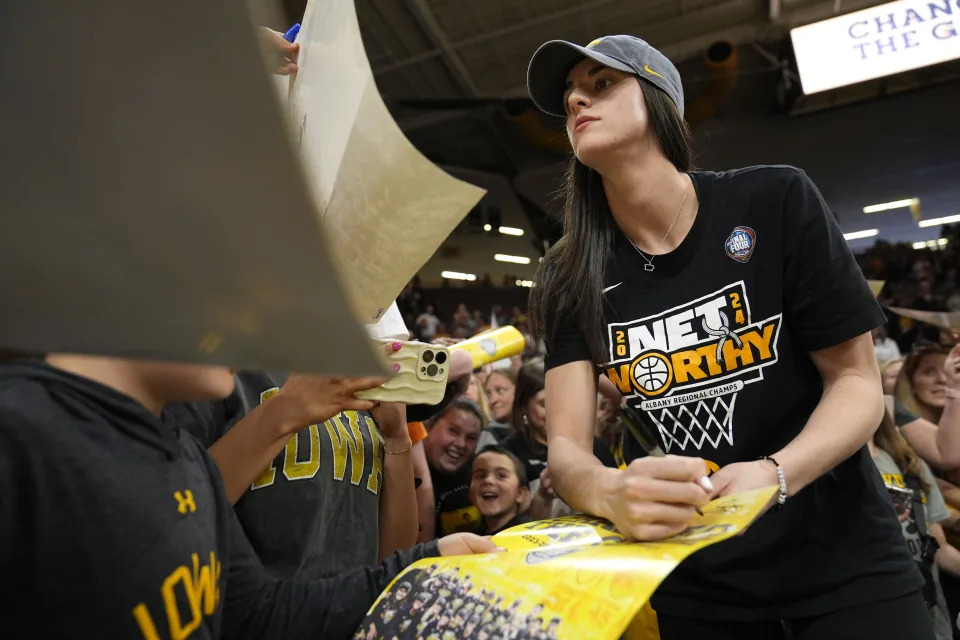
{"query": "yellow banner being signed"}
(572, 577)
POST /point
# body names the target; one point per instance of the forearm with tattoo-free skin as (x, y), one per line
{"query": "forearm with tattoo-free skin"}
(425, 501)
(398, 499)
(249, 448)
(852, 397)
(846, 417)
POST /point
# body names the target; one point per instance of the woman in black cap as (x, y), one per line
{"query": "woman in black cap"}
(729, 309)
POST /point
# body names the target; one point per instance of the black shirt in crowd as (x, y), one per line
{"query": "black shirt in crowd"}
(520, 518)
(534, 455)
(451, 498)
(117, 526)
(713, 345)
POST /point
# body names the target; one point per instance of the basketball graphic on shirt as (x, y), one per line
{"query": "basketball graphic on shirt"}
(652, 373)
(684, 366)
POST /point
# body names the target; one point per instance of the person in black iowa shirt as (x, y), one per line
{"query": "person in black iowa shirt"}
(117, 526)
(728, 308)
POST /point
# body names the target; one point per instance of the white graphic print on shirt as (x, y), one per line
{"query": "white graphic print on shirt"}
(684, 366)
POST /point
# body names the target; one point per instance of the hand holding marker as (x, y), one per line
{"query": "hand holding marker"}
(641, 432)
(291, 33)
(280, 49)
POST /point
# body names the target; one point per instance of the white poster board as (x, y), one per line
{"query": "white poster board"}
(388, 207)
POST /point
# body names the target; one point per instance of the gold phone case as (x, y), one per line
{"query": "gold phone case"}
(422, 379)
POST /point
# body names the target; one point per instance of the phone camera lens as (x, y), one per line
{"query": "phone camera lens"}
(432, 370)
(428, 356)
(441, 357)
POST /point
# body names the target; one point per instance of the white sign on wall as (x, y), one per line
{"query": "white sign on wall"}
(876, 42)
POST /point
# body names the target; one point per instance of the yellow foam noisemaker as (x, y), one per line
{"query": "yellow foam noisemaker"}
(492, 346)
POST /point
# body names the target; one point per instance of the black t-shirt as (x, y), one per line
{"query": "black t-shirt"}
(713, 345)
(520, 518)
(451, 497)
(534, 458)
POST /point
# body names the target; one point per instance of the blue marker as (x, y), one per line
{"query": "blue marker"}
(292, 32)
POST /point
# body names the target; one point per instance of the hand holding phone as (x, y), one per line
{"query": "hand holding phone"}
(420, 379)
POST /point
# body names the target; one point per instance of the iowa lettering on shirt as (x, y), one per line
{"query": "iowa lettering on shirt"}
(200, 584)
(344, 434)
(896, 480)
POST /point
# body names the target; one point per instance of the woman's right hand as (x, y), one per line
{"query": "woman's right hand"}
(655, 497)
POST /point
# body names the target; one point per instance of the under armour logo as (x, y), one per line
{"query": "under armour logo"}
(185, 503)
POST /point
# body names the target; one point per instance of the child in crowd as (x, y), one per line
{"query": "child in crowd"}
(499, 489)
(450, 445)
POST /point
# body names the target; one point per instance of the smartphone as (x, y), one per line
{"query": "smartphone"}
(901, 498)
(422, 379)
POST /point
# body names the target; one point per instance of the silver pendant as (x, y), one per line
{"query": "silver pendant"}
(648, 267)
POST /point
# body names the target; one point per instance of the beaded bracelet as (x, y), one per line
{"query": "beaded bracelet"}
(781, 480)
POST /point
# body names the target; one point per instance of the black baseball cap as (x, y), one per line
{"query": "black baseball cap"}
(549, 66)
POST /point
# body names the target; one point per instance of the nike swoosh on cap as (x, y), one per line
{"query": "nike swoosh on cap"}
(647, 68)
(612, 287)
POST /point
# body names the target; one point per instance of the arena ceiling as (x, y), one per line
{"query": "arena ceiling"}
(452, 73)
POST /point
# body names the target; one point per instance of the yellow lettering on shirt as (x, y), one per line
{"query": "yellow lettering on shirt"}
(293, 467)
(376, 474)
(686, 366)
(202, 589)
(761, 341)
(346, 441)
(620, 377)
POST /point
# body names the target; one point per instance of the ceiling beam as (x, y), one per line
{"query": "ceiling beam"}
(423, 14)
(705, 16)
(493, 35)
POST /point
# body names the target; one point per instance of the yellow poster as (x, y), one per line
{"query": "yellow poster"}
(571, 577)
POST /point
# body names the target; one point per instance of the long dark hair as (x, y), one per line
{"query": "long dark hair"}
(570, 278)
(530, 381)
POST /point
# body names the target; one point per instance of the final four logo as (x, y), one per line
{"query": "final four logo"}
(686, 364)
(740, 243)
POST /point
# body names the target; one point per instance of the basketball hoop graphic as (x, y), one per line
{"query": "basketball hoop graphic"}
(684, 421)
